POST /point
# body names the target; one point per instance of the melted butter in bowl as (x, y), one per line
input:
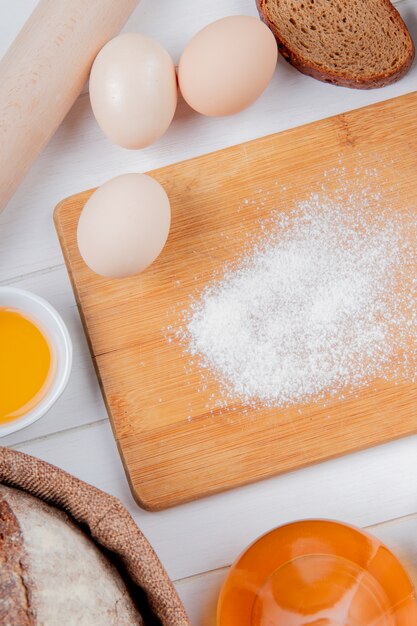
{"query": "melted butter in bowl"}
(35, 358)
(27, 364)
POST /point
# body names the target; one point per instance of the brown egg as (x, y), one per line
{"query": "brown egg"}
(124, 225)
(227, 65)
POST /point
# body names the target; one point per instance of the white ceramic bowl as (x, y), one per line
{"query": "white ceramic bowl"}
(39, 310)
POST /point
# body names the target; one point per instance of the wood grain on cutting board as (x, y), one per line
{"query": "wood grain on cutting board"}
(175, 444)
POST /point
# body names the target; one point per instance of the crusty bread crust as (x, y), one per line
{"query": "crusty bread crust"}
(310, 69)
(15, 601)
(50, 568)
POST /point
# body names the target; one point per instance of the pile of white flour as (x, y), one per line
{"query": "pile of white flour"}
(321, 303)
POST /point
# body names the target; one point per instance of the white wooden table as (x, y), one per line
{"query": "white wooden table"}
(196, 542)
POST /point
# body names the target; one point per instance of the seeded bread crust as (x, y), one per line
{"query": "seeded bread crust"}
(343, 79)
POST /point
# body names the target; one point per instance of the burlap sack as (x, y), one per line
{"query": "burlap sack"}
(108, 522)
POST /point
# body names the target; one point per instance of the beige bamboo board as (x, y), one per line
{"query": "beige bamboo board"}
(175, 444)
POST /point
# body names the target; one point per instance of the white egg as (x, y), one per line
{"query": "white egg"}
(133, 90)
(124, 225)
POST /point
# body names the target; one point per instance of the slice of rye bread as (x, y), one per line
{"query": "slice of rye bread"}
(352, 43)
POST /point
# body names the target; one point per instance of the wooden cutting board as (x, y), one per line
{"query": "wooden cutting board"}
(175, 445)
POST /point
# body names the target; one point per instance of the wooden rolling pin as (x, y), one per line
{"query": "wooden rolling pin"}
(44, 71)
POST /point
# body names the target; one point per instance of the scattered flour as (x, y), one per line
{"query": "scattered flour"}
(324, 301)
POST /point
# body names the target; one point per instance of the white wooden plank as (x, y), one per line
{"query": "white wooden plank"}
(364, 488)
(14, 13)
(79, 149)
(200, 593)
(79, 156)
